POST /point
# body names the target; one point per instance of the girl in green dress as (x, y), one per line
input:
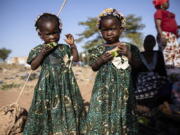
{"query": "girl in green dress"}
(111, 110)
(57, 106)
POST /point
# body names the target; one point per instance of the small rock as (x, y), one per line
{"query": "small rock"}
(12, 119)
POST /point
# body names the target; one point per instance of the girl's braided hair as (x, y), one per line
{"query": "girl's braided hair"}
(47, 17)
(111, 12)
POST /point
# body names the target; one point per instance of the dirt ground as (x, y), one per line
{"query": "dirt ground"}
(12, 81)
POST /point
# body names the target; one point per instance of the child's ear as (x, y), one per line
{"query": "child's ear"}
(40, 35)
(121, 29)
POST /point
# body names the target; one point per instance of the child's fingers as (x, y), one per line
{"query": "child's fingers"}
(67, 41)
(123, 52)
(120, 45)
(166, 104)
(70, 39)
(69, 36)
(123, 47)
(70, 42)
(47, 47)
(108, 54)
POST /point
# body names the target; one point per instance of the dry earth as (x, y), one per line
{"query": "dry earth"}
(11, 83)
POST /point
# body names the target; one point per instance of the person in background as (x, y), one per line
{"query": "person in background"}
(167, 33)
(151, 74)
(150, 77)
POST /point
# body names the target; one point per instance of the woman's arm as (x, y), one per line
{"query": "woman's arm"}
(158, 26)
(159, 31)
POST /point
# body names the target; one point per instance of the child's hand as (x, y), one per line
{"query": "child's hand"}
(165, 108)
(123, 49)
(46, 49)
(114, 52)
(69, 39)
(142, 109)
(163, 40)
(106, 57)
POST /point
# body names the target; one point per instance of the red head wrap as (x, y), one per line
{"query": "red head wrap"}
(159, 2)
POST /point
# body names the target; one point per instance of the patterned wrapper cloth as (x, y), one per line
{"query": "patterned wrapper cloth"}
(172, 50)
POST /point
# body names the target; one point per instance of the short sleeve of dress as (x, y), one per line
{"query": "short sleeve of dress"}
(94, 53)
(158, 14)
(33, 53)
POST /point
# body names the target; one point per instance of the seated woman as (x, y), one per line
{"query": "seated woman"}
(150, 77)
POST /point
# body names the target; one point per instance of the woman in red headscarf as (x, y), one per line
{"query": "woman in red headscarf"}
(167, 30)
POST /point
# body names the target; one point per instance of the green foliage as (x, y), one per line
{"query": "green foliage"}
(92, 37)
(4, 53)
(133, 26)
(9, 86)
(91, 28)
(91, 33)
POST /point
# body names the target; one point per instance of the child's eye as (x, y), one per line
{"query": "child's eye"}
(48, 34)
(56, 32)
(103, 30)
(111, 29)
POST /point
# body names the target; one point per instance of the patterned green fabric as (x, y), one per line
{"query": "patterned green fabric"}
(57, 106)
(112, 101)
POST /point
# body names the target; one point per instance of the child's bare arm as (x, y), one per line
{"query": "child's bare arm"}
(39, 59)
(75, 53)
(101, 60)
(70, 40)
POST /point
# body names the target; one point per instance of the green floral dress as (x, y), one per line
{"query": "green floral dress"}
(57, 106)
(112, 102)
